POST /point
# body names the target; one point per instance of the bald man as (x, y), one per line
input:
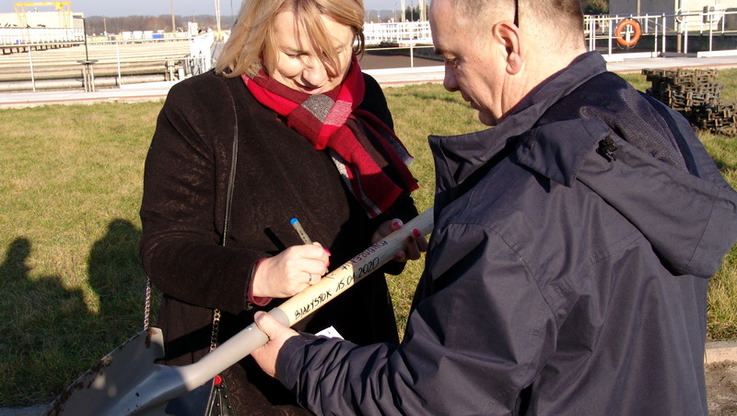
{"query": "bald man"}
(573, 245)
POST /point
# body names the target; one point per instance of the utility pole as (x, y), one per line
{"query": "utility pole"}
(173, 24)
(218, 34)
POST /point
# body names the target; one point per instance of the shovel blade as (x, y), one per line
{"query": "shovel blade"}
(112, 378)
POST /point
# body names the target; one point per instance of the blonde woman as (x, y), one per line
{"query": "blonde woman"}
(286, 126)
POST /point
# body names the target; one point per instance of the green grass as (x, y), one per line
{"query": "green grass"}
(70, 190)
(722, 322)
(722, 298)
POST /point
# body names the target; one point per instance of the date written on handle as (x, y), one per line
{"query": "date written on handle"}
(351, 272)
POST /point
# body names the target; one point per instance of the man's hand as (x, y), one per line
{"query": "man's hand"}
(278, 334)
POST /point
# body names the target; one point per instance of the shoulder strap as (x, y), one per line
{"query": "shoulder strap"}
(228, 209)
(226, 229)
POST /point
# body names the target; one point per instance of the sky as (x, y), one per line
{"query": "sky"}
(181, 7)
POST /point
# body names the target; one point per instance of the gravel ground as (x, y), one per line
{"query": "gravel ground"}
(721, 388)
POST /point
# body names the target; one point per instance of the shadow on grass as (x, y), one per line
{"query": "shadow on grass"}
(52, 336)
(723, 165)
(116, 276)
(15, 266)
(32, 311)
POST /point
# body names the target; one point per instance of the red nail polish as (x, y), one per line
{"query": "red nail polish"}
(397, 224)
(417, 232)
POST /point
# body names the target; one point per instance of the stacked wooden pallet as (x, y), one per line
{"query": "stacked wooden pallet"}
(695, 93)
(720, 118)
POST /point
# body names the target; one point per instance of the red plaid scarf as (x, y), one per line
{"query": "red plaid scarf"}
(370, 158)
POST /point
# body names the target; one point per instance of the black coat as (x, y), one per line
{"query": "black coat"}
(277, 176)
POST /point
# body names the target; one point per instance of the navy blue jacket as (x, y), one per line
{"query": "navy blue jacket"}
(567, 272)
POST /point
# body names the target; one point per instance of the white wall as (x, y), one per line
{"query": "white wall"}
(52, 19)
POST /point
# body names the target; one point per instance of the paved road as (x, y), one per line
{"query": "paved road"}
(389, 70)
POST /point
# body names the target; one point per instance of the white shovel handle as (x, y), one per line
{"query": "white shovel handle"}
(100, 394)
(306, 302)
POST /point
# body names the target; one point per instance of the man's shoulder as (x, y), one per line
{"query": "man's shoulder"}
(503, 195)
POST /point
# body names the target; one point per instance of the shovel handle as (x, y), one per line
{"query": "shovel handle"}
(341, 279)
(306, 302)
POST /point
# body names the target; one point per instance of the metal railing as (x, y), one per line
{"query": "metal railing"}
(16, 37)
(405, 33)
(399, 37)
(670, 32)
(683, 32)
(108, 61)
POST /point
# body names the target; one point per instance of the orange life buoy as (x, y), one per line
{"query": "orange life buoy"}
(622, 34)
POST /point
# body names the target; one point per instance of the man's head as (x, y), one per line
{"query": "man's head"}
(496, 51)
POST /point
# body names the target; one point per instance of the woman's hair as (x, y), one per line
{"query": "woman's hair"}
(253, 32)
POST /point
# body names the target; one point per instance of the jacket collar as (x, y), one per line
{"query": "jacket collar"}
(689, 219)
(458, 157)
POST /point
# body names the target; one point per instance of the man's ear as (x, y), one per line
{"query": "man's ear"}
(508, 35)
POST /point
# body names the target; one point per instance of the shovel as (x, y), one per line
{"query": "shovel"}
(127, 381)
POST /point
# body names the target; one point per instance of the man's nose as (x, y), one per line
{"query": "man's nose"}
(449, 80)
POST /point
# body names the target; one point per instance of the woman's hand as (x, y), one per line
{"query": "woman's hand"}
(414, 245)
(291, 271)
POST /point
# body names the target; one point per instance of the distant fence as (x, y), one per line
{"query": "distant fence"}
(110, 61)
(404, 33)
(104, 62)
(15, 40)
(663, 33)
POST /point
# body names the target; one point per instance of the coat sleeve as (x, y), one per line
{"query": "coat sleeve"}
(182, 213)
(470, 348)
